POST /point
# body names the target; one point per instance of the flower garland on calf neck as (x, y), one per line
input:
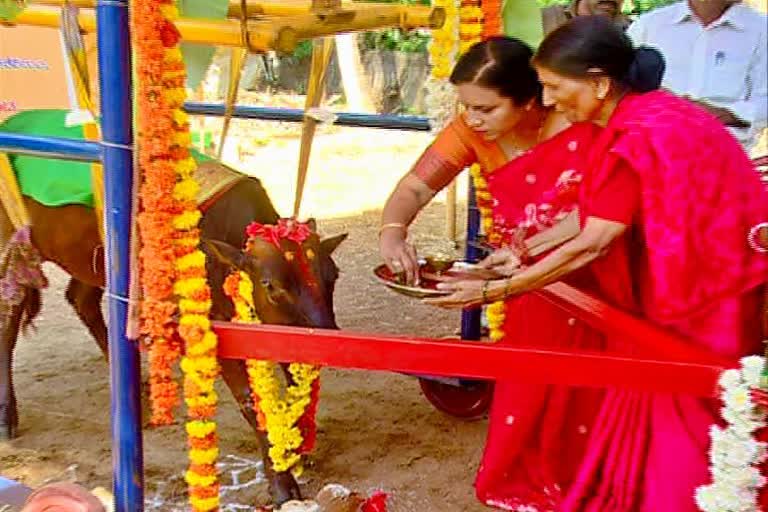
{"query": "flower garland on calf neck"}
(172, 263)
(288, 420)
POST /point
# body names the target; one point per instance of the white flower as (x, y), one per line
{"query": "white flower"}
(735, 454)
(752, 370)
(730, 378)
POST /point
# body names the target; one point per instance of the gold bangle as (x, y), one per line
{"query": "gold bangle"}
(390, 225)
(485, 291)
(507, 283)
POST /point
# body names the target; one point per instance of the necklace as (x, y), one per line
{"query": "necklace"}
(515, 149)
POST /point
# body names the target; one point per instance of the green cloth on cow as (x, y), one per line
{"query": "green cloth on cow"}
(48, 181)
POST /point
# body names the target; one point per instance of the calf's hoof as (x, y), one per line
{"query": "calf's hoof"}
(283, 487)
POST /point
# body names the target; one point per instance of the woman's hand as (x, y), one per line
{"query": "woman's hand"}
(504, 261)
(468, 293)
(398, 254)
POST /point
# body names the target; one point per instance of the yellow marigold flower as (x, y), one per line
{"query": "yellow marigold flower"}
(194, 259)
(187, 220)
(169, 11)
(175, 96)
(196, 480)
(194, 306)
(186, 190)
(200, 428)
(203, 347)
(204, 505)
(200, 321)
(186, 167)
(206, 365)
(181, 118)
(173, 55)
(182, 138)
(187, 287)
(204, 456)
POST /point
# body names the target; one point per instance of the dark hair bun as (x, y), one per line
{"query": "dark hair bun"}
(646, 70)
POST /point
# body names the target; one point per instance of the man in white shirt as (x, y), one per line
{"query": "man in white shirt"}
(716, 55)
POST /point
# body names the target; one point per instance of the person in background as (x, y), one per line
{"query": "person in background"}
(716, 53)
(557, 14)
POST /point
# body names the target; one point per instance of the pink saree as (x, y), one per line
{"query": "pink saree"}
(692, 272)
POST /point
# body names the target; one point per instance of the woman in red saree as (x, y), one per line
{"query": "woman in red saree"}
(533, 161)
(666, 207)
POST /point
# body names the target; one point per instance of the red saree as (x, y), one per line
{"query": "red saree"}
(537, 434)
(692, 272)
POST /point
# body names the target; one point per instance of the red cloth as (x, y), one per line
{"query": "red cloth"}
(691, 272)
(537, 434)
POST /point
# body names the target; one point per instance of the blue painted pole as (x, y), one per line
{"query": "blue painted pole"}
(117, 136)
(50, 147)
(470, 319)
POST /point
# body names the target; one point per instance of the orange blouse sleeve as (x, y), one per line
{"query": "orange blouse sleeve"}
(447, 156)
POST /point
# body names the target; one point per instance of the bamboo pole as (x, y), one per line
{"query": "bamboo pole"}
(236, 61)
(262, 36)
(412, 16)
(318, 74)
(279, 33)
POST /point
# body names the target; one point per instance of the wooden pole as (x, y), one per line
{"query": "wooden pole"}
(237, 59)
(413, 15)
(321, 56)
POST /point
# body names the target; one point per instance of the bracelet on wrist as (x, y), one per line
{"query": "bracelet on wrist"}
(394, 225)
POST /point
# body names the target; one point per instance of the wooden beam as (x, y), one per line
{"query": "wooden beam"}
(281, 33)
(468, 359)
(412, 16)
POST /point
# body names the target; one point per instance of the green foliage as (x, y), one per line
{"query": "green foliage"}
(397, 40)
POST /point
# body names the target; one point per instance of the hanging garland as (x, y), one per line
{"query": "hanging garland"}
(491, 18)
(472, 25)
(737, 451)
(441, 96)
(288, 417)
(172, 264)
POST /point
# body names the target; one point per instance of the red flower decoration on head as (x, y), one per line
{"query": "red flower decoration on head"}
(293, 230)
(286, 229)
(266, 232)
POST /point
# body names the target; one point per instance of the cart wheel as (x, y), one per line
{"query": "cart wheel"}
(469, 401)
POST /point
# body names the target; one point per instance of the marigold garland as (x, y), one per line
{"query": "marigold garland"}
(443, 48)
(172, 264)
(491, 18)
(288, 417)
(473, 20)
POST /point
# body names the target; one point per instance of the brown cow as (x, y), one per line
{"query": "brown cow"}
(68, 236)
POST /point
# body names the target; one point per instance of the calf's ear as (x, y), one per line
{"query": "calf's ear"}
(223, 253)
(328, 245)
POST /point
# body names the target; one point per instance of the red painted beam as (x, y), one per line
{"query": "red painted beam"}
(464, 359)
(644, 337)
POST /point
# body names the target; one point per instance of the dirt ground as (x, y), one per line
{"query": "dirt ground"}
(376, 430)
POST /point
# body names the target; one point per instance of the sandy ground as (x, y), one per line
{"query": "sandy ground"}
(376, 430)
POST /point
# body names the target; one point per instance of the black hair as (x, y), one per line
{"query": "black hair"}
(589, 43)
(500, 63)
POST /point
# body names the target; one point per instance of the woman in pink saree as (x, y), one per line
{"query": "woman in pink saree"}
(666, 208)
